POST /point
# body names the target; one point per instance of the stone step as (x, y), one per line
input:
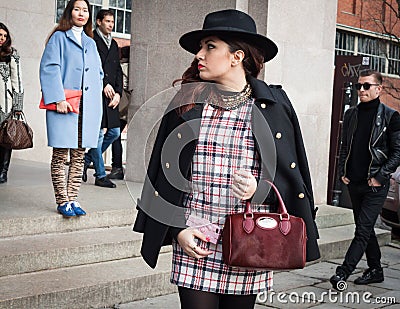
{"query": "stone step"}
(97, 285)
(52, 222)
(55, 223)
(32, 253)
(329, 216)
(50, 251)
(108, 283)
(334, 241)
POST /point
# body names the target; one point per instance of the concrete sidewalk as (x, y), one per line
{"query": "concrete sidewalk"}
(27, 207)
(310, 287)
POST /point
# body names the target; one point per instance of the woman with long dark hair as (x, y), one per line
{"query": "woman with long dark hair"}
(11, 90)
(224, 134)
(70, 62)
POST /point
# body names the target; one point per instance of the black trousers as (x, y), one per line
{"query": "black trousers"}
(367, 204)
(193, 299)
(5, 158)
(116, 148)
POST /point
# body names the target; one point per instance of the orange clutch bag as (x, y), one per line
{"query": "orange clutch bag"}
(73, 97)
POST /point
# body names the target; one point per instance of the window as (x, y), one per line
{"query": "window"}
(384, 54)
(122, 15)
(95, 6)
(353, 7)
(394, 59)
(383, 14)
(122, 12)
(374, 48)
(344, 43)
(60, 6)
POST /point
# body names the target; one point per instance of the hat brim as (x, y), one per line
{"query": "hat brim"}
(190, 41)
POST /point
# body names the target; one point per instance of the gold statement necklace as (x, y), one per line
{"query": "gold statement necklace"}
(230, 102)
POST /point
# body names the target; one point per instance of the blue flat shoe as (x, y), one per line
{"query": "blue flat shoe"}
(77, 209)
(66, 210)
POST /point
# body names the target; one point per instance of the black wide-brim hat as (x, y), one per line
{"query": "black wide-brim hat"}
(231, 23)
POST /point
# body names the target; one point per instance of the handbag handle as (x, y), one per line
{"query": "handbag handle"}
(20, 116)
(284, 222)
(281, 208)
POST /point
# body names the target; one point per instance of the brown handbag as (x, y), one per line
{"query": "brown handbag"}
(264, 241)
(16, 133)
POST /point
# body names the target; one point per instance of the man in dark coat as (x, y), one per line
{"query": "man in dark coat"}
(369, 153)
(112, 91)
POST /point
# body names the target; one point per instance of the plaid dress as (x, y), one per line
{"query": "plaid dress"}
(225, 145)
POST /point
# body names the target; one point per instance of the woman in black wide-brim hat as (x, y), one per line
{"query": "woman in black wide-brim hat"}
(212, 137)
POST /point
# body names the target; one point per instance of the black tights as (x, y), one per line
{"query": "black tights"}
(194, 299)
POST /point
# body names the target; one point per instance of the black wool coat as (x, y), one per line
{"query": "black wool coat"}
(112, 75)
(279, 143)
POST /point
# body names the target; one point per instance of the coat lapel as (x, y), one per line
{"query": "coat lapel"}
(72, 37)
(101, 47)
(261, 91)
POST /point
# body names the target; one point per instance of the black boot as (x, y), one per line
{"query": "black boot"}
(4, 163)
(338, 280)
(104, 182)
(371, 275)
(116, 173)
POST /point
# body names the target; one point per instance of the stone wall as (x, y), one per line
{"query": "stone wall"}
(30, 22)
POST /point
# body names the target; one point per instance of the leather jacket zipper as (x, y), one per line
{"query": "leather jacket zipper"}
(373, 144)
(379, 136)
(383, 154)
(372, 156)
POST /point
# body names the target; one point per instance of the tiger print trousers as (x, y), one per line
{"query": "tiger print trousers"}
(66, 188)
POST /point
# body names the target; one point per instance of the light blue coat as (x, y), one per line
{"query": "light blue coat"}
(66, 64)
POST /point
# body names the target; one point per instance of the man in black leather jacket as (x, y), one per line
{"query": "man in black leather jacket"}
(370, 152)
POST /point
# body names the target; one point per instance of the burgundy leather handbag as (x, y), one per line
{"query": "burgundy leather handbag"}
(264, 241)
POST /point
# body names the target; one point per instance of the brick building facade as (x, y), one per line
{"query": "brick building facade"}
(372, 27)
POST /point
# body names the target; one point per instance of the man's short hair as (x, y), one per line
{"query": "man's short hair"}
(103, 13)
(375, 74)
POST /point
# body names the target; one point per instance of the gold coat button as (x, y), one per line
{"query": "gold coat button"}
(263, 105)
(179, 135)
(293, 165)
(167, 165)
(156, 193)
(301, 195)
(278, 135)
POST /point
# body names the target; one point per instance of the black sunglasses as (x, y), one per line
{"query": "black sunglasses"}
(366, 86)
